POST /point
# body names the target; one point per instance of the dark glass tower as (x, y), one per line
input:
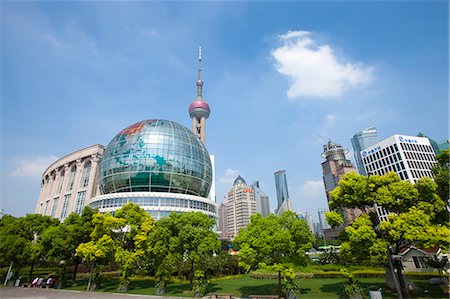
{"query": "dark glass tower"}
(361, 141)
(282, 188)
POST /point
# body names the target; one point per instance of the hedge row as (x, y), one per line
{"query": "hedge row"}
(337, 274)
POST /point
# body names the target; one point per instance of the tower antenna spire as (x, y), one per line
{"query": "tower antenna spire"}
(199, 80)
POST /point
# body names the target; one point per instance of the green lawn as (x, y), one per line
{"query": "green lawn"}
(244, 286)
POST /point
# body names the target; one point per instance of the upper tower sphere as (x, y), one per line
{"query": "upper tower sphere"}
(156, 156)
(199, 109)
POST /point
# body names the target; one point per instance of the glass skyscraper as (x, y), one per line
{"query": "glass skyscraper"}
(282, 189)
(361, 141)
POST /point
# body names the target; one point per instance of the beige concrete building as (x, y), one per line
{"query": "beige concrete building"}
(69, 183)
(239, 205)
(333, 169)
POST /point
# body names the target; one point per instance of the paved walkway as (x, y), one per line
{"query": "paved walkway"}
(33, 293)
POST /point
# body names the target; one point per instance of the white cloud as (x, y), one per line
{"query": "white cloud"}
(314, 69)
(31, 167)
(312, 190)
(330, 119)
(57, 43)
(229, 176)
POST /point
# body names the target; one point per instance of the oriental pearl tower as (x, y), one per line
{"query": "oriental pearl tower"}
(199, 108)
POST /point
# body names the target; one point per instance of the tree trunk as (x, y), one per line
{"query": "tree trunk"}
(279, 283)
(401, 280)
(191, 275)
(75, 271)
(31, 271)
(90, 277)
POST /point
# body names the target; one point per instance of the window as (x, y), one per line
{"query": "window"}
(419, 262)
(46, 207)
(73, 171)
(60, 183)
(65, 206)
(54, 207)
(85, 176)
(81, 196)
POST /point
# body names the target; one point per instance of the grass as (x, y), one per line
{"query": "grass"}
(243, 286)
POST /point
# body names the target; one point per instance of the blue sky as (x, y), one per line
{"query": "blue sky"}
(277, 75)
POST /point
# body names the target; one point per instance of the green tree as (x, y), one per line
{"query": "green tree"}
(416, 215)
(182, 241)
(18, 237)
(441, 175)
(58, 244)
(101, 248)
(274, 241)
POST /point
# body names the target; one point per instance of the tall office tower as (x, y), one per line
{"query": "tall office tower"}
(323, 224)
(410, 157)
(433, 143)
(283, 201)
(199, 108)
(222, 227)
(363, 140)
(334, 168)
(240, 205)
(262, 200)
(309, 220)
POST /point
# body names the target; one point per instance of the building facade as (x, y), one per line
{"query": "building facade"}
(262, 200)
(240, 204)
(361, 141)
(334, 168)
(283, 201)
(411, 157)
(158, 164)
(69, 183)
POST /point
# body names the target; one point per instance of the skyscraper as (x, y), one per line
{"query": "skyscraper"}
(361, 141)
(239, 205)
(334, 168)
(433, 143)
(199, 108)
(322, 222)
(283, 201)
(309, 220)
(410, 157)
(262, 200)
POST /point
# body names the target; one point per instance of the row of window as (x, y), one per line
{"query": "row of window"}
(417, 174)
(374, 167)
(420, 156)
(154, 201)
(417, 147)
(394, 157)
(83, 183)
(420, 165)
(79, 205)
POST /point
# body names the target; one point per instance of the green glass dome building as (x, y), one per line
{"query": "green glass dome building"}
(158, 164)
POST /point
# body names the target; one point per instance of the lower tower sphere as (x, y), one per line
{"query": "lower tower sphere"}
(158, 164)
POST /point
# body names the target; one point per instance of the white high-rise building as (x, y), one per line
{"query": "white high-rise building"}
(411, 157)
(240, 204)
